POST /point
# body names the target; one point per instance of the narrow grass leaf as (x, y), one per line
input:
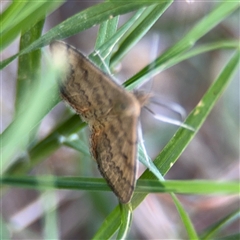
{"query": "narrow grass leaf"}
(197, 187)
(200, 49)
(104, 49)
(185, 219)
(15, 138)
(8, 14)
(82, 21)
(200, 29)
(47, 146)
(126, 220)
(29, 65)
(106, 31)
(215, 228)
(188, 186)
(138, 29)
(21, 17)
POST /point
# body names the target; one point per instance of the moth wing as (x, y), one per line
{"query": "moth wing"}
(114, 146)
(83, 85)
(111, 112)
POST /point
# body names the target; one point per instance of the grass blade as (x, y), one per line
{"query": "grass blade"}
(28, 65)
(196, 187)
(211, 232)
(20, 16)
(188, 41)
(185, 219)
(82, 21)
(140, 27)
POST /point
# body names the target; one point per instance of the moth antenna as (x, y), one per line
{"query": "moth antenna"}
(169, 120)
(174, 107)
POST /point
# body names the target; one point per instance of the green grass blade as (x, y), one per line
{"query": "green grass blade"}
(185, 219)
(188, 186)
(212, 231)
(146, 17)
(82, 21)
(28, 64)
(104, 49)
(200, 50)
(47, 146)
(15, 137)
(22, 16)
(126, 220)
(77, 183)
(196, 187)
(231, 44)
(188, 41)
(140, 27)
(7, 17)
(109, 226)
(106, 31)
(48, 182)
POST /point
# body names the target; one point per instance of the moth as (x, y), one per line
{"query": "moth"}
(112, 114)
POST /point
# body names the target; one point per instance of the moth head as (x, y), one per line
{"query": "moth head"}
(142, 97)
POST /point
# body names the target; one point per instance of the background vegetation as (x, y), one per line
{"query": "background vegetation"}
(50, 186)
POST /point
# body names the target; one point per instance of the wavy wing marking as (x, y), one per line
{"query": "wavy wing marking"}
(114, 146)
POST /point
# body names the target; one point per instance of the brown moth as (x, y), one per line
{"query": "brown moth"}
(111, 112)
